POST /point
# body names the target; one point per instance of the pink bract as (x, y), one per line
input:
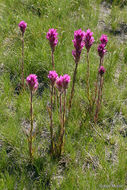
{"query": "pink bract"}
(59, 83)
(66, 81)
(101, 50)
(78, 44)
(88, 39)
(104, 39)
(32, 82)
(22, 25)
(102, 70)
(52, 77)
(52, 37)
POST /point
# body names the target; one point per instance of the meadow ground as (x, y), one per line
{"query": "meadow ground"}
(95, 156)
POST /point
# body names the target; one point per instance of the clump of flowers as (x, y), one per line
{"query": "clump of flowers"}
(22, 25)
(88, 40)
(52, 36)
(101, 72)
(32, 83)
(61, 84)
(78, 45)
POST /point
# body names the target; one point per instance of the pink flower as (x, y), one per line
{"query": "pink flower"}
(101, 50)
(78, 44)
(32, 82)
(101, 70)
(88, 39)
(66, 81)
(52, 37)
(59, 83)
(22, 25)
(52, 77)
(104, 39)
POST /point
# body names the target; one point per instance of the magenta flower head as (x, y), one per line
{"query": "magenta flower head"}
(59, 83)
(32, 82)
(88, 39)
(78, 44)
(52, 37)
(66, 81)
(104, 39)
(52, 77)
(101, 70)
(22, 25)
(101, 50)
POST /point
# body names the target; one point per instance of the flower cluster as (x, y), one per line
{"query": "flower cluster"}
(101, 50)
(61, 82)
(78, 44)
(101, 70)
(22, 25)
(88, 39)
(101, 47)
(52, 37)
(52, 77)
(32, 82)
(104, 39)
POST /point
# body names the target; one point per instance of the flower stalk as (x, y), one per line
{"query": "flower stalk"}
(53, 40)
(31, 124)
(88, 42)
(73, 85)
(78, 45)
(100, 88)
(62, 134)
(52, 56)
(101, 53)
(88, 78)
(51, 121)
(22, 25)
(22, 78)
(32, 82)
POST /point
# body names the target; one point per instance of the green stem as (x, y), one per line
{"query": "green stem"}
(98, 100)
(22, 68)
(97, 80)
(52, 55)
(62, 135)
(31, 122)
(73, 85)
(88, 77)
(51, 120)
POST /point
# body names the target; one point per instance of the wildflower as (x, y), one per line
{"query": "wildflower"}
(104, 39)
(101, 50)
(59, 83)
(101, 70)
(66, 81)
(52, 37)
(78, 44)
(88, 39)
(32, 82)
(52, 77)
(22, 25)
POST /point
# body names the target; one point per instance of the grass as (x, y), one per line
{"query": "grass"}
(95, 156)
